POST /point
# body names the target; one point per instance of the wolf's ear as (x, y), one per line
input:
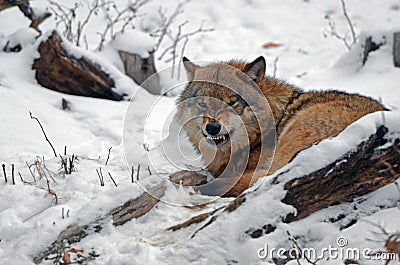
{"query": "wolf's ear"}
(256, 69)
(190, 67)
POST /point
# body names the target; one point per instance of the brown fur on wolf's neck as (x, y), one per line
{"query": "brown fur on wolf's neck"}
(301, 119)
(304, 118)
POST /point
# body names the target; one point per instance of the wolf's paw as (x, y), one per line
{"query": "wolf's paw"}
(188, 178)
(218, 187)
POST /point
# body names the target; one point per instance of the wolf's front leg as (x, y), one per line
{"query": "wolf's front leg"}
(226, 187)
(188, 178)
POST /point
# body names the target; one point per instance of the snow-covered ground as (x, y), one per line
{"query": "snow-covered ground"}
(29, 218)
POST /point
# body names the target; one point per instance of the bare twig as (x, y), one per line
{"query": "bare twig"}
(30, 217)
(12, 174)
(148, 169)
(4, 172)
(275, 66)
(100, 174)
(333, 31)
(132, 174)
(112, 179)
(24, 181)
(353, 34)
(115, 16)
(176, 39)
(108, 156)
(166, 23)
(93, 8)
(164, 31)
(43, 172)
(138, 171)
(33, 175)
(44, 133)
(146, 147)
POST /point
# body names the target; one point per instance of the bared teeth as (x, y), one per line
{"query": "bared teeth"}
(219, 137)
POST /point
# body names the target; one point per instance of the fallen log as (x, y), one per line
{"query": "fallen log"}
(4, 4)
(61, 71)
(368, 168)
(134, 208)
(25, 8)
(356, 174)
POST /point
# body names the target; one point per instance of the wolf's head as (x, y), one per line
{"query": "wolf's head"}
(222, 103)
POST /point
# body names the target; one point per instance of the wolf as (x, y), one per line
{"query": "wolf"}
(208, 111)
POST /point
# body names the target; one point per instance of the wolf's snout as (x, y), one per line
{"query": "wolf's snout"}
(213, 128)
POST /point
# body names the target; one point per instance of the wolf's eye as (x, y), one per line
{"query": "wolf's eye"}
(201, 104)
(232, 101)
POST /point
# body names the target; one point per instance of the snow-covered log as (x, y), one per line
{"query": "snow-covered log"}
(59, 70)
(140, 69)
(358, 173)
(129, 210)
(371, 166)
(25, 8)
(4, 4)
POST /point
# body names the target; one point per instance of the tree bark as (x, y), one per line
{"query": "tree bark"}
(396, 49)
(4, 4)
(25, 8)
(369, 46)
(58, 70)
(140, 69)
(358, 173)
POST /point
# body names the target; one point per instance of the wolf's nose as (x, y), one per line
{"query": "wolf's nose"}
(213, 128)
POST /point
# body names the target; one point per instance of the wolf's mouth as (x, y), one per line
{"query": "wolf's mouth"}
(218, 139)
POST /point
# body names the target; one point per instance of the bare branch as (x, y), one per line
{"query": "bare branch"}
(4, 172)
(275, 66)
(333, 31)
(108, 157)
(12, 174)
(109, 174)
(353, 34)
(100, 174)
(138, 171)
(44, 133)
(176, 40)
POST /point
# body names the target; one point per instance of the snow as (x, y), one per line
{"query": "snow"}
(136, 41)
(30, 221)
(23, 37)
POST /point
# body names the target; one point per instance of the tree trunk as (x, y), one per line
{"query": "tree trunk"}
(58, 70)
(140, 69)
